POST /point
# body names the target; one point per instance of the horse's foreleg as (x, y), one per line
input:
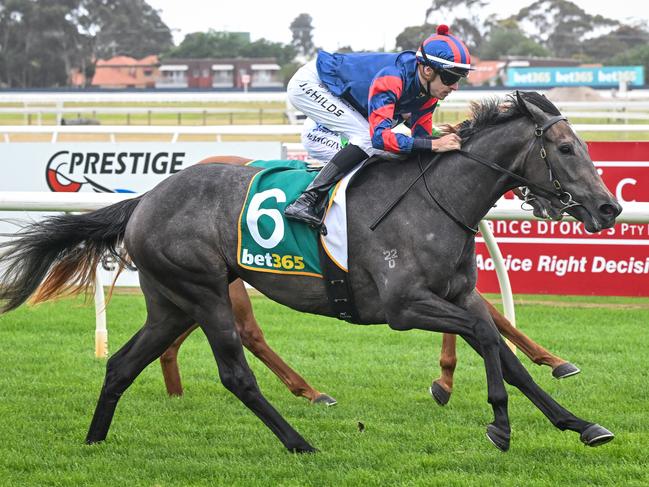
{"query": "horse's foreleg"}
(169, 364)
(441, 388)
(253, 339)
(515, 374)
(539, 355)
(429, 312)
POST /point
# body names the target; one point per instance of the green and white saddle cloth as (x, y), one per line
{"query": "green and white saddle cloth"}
(268, 242)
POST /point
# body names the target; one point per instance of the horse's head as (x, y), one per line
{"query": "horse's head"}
(561, 170)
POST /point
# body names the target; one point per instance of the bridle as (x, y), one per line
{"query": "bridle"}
(528, 191)
(531, 188)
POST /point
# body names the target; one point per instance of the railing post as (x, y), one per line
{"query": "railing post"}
(101, 332)
(503, 277)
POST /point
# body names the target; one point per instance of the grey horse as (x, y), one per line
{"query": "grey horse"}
(182, 237)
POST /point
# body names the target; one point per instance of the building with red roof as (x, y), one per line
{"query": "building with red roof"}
(122, 72)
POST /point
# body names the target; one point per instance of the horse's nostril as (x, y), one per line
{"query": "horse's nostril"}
(610, 210)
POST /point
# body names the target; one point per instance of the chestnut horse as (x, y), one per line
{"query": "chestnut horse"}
(253, 339)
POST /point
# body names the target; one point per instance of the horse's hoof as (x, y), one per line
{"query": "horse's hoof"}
(596, 435)
(325, 399)
(565, 370)
(441, 395)
(498, 436)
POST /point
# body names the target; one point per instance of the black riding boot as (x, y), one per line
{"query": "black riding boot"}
(309, 207)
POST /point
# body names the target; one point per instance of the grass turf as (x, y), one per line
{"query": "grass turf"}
(50, 381)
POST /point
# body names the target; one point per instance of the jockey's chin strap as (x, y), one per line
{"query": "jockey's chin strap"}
(532, 188)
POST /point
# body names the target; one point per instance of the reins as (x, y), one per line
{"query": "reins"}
(534, 188)
(401, 196)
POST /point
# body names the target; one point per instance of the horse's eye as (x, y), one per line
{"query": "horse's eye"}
(565, 149)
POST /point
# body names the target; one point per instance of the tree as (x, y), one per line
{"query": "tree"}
(42, 41)
(124, 27)
(466, 19)
(221, 45)
(302, 35)
(620, 41)
(210, 44)
(638, 56)
(562, 27)
(264, 48)
(509, 41)
(39, 44)
(411, 37)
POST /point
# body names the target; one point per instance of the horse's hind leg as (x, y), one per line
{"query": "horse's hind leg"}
(253, 339)
(217, 321)
(441, 388)
(164, 323)
(169, 365)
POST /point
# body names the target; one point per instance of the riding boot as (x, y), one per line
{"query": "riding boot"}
(309, 207)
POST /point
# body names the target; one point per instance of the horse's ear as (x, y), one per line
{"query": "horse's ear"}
(534, 112)
(521, 102)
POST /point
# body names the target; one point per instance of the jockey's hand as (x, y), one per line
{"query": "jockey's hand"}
(446, 143)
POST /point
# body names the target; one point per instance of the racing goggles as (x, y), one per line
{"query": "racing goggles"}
(451, 76)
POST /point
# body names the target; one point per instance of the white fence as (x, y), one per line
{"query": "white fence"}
(208, 96)
(173, 130)
(53, 97)
(219, 130)
(606, 110)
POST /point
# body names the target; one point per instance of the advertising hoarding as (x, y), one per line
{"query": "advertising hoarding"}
(545, 257)
(606, 76)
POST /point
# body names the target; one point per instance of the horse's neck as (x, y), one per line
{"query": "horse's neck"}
(469, 188)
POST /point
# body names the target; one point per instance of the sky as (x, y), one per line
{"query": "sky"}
(339, 23)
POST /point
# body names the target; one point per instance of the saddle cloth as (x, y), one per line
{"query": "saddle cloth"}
(268, 242)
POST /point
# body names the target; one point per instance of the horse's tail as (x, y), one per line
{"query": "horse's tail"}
(60, 254)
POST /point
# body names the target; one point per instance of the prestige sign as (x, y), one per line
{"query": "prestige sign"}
(68, 171)
(546, 257)
(110, 168)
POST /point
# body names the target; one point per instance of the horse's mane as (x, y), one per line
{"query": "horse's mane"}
(494, 111)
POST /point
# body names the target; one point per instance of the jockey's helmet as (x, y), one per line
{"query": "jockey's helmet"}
(446, 54)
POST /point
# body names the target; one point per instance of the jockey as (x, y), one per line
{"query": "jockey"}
(363, 96)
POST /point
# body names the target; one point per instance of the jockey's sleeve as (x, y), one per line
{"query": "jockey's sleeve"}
(385, 91)
(421, 121)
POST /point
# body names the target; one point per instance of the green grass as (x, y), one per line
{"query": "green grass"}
(50, 381)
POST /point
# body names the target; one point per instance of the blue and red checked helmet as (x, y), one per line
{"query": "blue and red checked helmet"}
(443, 51)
